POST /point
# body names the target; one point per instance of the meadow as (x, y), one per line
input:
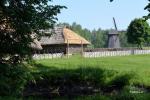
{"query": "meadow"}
(138, 65)
(122, 77)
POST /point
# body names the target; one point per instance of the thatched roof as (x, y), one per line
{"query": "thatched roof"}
(56, 38)
(63, 36)
(73, 38)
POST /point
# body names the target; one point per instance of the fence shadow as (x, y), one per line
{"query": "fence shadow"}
(50, 81)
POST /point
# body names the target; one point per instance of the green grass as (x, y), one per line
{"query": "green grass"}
(123, 96)
(99, 73)
(110, 75)
(137, 64)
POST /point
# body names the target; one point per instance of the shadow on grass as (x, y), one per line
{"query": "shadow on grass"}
(50, 81)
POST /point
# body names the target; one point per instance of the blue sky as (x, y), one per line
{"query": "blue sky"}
(99, 13)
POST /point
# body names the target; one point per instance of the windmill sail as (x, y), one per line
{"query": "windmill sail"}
(115, 24)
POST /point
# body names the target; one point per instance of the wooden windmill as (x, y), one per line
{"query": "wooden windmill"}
(113, 37)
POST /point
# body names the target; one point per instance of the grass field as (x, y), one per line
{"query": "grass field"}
(138, 65)
(113, 78)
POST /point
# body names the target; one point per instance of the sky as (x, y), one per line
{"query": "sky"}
(94, 14)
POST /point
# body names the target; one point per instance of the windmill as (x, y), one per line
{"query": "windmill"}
(113, 37)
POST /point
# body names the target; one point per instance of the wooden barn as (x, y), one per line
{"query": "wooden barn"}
(63, 40)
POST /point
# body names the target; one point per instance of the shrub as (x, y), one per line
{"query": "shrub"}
(12, 79)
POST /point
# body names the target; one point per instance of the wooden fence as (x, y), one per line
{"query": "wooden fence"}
(48, 56)
(93, 53)
(114, 53)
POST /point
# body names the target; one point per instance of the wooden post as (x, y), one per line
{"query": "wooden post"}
(81, 48)
(67, 48)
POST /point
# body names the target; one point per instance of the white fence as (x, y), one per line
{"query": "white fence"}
(47, 56)
(94, 54)
(114, 53)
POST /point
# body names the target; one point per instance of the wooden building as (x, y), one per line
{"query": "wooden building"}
(63, 40)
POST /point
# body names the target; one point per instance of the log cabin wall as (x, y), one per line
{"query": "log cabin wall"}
(76, 48)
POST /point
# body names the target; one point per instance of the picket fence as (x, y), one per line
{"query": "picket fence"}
(93, 54)
(48, 56)
(114, 53)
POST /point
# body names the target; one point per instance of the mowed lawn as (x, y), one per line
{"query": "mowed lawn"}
(138, 65)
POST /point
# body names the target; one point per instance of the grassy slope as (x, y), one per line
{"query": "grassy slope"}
(139, 64)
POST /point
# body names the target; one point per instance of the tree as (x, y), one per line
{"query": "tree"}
(138, 32)
(18, 20)
(99, 38)
(148, 9)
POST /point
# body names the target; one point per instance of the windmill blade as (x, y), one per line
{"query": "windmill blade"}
(115, 23)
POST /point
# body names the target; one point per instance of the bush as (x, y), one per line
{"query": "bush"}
(12, 79)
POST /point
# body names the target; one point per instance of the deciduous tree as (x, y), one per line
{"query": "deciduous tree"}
(138, 32)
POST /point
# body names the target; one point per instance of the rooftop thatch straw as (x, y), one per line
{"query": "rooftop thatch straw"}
(63, 36)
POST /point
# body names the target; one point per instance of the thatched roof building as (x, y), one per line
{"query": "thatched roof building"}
(63, 36)
(63, 40)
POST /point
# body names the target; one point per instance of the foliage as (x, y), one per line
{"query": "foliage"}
(138, 32)
(10, 98)
(123, 40)
(99, 38)
(18, 20)
(148, 9)
(12, 79)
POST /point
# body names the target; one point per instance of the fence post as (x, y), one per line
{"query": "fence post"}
(132, 50)
(81, 48)
(67, 48)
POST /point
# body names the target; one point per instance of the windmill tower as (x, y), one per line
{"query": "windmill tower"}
(113, 37)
